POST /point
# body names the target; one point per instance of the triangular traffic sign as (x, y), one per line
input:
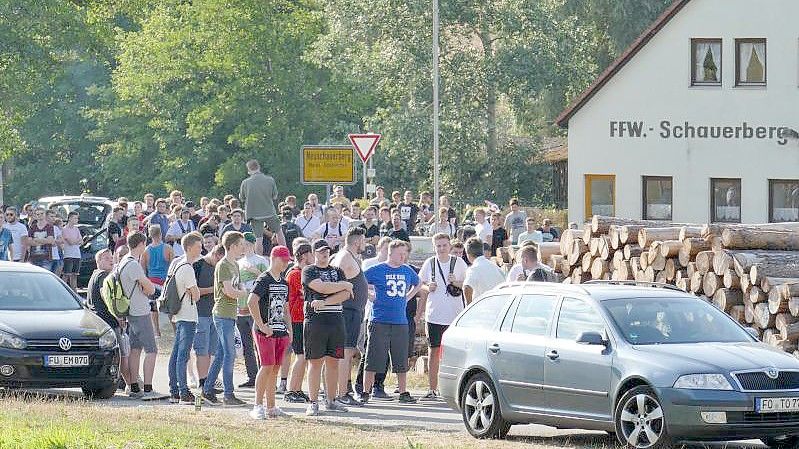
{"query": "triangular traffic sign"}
(364, 144)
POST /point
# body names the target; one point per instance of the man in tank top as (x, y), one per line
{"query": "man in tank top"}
(349, 261)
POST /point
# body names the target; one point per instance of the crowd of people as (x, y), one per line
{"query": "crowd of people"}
(322, 283)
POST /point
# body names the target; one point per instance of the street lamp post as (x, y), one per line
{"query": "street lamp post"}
(436, 193)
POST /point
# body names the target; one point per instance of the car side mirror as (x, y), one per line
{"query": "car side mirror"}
(753, 332)
(591, 339)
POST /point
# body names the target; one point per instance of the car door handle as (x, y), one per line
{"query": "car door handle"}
(553, 355)
(494, 348)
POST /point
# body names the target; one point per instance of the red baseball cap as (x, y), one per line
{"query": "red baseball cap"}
(281, 252)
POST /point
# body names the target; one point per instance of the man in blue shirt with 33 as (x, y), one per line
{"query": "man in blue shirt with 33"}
(394, 282)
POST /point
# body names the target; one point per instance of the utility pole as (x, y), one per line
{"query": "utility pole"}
(436, 162)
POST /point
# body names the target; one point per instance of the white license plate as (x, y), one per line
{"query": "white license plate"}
(776, 405)
(66, 360)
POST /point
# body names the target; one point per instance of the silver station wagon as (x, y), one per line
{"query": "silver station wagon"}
(648, 362)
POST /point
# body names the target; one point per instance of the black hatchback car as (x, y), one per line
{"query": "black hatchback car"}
(49, 339)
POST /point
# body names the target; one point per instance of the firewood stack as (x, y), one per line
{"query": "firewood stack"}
(749, 271)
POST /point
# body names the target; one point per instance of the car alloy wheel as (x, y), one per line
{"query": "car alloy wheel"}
(639, 419)
(480, 409)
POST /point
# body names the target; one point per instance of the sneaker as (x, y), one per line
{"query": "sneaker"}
(281, 389)
(121, 385)
(174, 398)
(364, 398)
(154, 395)
(304, 396)
(396, 390)
(335, 406)
(406, 398)
(430, 396)
(249, 384)
(380, 394)
(133, 394)
(258, 412)
(277, 412)
(232, 401)
(348, 400)
(294, 397)
(313, 409)
(187, 398)
(210, 398)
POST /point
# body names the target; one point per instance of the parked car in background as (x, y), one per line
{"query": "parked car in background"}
(93, 213)
(650, 363)
(49, 338)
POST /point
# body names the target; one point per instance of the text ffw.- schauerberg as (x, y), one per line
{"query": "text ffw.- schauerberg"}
(688, 130)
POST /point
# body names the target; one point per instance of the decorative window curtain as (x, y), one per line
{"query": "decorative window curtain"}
(708, 62)
(752, 62)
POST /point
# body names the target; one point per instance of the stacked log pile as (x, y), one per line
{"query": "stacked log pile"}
(749, 271)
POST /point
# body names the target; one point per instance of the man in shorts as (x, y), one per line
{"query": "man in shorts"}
(268, 304)
(259, 193)
(440, 307)
(140, 325)
(303, 255)
(349, 261)
(324, 331)
(206, 338)
(394, 282)
(105, 263)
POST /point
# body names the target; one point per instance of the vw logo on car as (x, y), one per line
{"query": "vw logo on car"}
(65, 343)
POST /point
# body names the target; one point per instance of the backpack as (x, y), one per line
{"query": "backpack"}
(113, 294)
(170, 302)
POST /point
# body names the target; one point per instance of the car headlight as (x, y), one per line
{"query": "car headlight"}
(11, 341)
(108, 340)
(703, 382)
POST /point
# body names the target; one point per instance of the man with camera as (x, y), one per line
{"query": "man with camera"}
(443, 276)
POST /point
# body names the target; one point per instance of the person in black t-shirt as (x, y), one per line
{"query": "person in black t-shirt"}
(105, 263)
(206, 339)
(499, 236)
(115, 228)
(290, 229)
(324, 332)
(371, 225)
(268, 304)
(396, 232)
(409, 211)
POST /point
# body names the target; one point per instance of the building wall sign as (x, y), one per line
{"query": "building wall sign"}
(666, 129)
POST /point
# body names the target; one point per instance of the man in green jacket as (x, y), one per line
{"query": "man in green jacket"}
(258, 193)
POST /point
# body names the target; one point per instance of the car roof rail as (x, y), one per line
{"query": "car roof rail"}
(523, 283)
(635, 283)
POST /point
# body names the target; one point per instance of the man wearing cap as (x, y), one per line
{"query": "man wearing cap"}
(324, 332)
(250, 267)
(268, 304)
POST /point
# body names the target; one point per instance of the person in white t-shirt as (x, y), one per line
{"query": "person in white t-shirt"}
(528, 265)
(440, 307)
(482, 275)
(307, 221)
(483, 226)
(333, 230)
(530, 233)
(178, 229)
(19, 233)
(517, 271)
(186, 318)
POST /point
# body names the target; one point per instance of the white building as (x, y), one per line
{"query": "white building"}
(694, 122)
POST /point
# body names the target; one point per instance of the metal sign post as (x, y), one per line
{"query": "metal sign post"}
(435, 108)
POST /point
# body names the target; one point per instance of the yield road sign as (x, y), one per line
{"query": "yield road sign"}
(364, 144)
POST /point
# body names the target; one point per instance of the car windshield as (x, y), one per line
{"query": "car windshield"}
(92, 214)
(653, 321)
(34, 291)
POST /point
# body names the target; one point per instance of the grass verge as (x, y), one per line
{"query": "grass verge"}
(37, 424)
